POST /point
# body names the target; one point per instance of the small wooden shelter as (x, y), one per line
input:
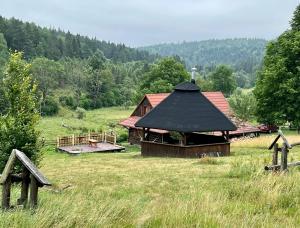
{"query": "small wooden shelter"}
(30, 178)
(188, 112)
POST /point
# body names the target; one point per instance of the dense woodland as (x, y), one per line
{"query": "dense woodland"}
(78, 72)
(243, 55)
(73, 70)
(54, 44)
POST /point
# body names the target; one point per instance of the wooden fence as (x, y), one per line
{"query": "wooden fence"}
(286, 146)
(74, 140)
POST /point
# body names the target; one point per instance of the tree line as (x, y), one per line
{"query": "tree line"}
(243, 55)
(35, 41)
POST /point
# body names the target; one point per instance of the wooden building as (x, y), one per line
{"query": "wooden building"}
(183, 121)
(152, 100)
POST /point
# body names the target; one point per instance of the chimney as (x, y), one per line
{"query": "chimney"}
(193, 75)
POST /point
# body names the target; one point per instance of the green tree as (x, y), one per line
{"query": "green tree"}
(3, 51)
(100, 88)
(97, 60)
(48, 74)
(277, 88)
(223, 80)
(164, 75)
(17, 126)
(3, 59)
(243, 104)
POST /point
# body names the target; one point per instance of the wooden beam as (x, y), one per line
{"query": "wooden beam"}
(277, 167)
(143, 131)
(24, 187)
(6, 188)
(227, 135)
(8, 167)
(284, 153)
(148, 134)
(275, 155)
(295, 144)
(33, 191)
(274, 142)
(284, 139)
(280, 134)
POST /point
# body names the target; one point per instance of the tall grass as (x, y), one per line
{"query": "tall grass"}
(127, 190)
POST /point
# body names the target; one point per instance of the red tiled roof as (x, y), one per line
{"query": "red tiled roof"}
(130, 122)
(155, 99)
(217, 98)
(241, 130)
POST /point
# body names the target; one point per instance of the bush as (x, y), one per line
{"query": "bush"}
(49, 107)
(123, 137)
(68, 101)
(85, 102)
(80, 113)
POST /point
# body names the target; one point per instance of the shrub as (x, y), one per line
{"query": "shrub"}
(123, 137)
(80, 113)
(68, 101)
(49, 107)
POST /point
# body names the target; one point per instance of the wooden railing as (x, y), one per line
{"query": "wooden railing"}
(84, 139)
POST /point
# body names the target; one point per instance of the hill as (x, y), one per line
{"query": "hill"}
(242, 54)
(55, 44)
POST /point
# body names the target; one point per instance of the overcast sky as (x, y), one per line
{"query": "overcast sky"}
(145, 22)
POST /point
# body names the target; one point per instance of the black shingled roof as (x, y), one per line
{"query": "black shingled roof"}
(186, 110)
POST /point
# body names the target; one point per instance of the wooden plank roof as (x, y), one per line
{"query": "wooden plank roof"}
(16, 154)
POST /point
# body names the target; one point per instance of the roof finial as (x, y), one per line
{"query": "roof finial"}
(193, 75)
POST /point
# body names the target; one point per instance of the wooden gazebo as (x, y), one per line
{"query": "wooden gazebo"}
(192, 116)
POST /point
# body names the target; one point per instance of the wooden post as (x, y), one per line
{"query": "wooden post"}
(33, 191)
(284, 153)
(105, 137)
(24, 188)
(227, 135)
(115, 139)
(6, 193)
(184, 139)
(73, 140)
(275, 155)
(144, 137)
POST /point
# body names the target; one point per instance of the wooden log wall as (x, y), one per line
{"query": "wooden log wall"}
(196, 151)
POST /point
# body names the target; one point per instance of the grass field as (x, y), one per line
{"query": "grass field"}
(95, 120)
(127, 190)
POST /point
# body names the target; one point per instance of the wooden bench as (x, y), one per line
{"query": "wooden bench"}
(93, 142)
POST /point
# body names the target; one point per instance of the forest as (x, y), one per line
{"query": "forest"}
(82, 73)
(242, 54)
(73, 70)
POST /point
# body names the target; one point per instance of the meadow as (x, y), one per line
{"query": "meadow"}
(128, 190)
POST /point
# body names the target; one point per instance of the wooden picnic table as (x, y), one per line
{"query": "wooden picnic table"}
(93, 142)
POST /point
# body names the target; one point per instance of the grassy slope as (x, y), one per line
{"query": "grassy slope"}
(104, 118)
(124, 189)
